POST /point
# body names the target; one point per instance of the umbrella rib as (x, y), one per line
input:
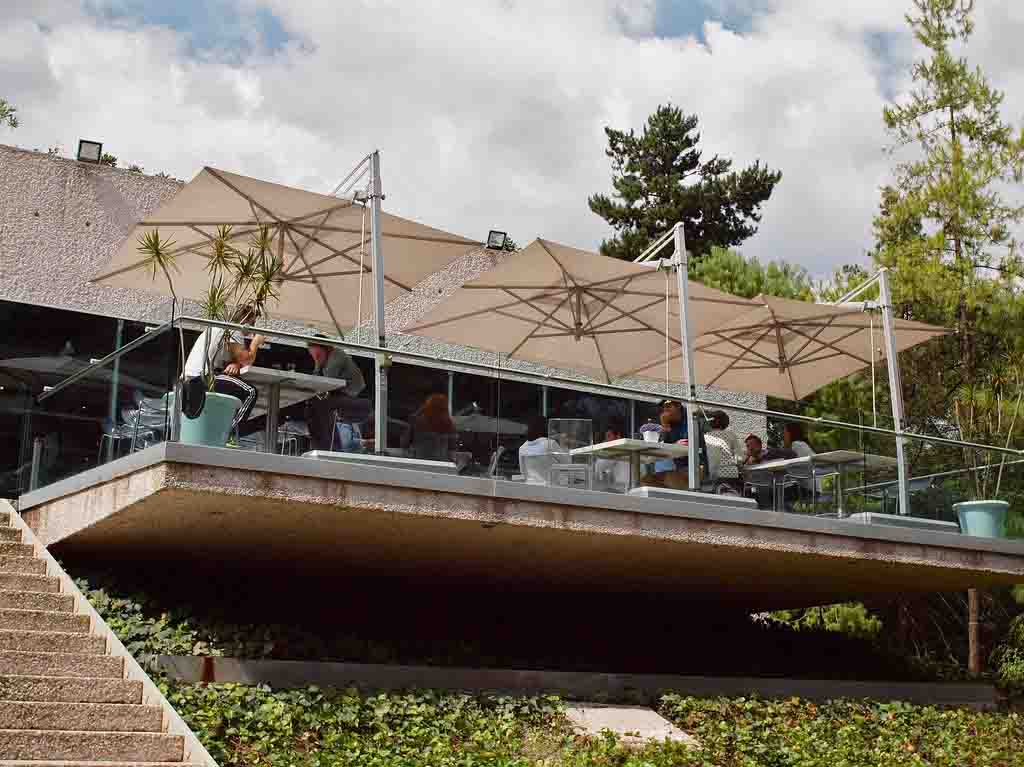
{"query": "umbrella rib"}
(749, 349)
(325, 259)
(315, 231)
(312, 237)
(647, 325)
(604, 303)
(782, 351)
(319, 287)
(474, 313)
(597, 345)
(746, 350)
(606, 323)
(831, 344)
(537, 309)
(342, 254)
(539, 325)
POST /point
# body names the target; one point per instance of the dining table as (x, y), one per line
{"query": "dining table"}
(284, 386)
(636, 451)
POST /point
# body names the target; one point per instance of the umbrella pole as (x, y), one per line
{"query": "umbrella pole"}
(895, 385)
(687, 355)
(380, 361)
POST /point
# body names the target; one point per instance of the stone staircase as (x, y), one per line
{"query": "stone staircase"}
(70, 694)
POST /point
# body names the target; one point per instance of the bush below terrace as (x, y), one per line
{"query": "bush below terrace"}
(256, 727)
(156, 617)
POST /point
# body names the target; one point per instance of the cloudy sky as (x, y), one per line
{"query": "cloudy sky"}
(489, 114)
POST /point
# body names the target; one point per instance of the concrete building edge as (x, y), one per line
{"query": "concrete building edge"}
(226, 458)
(195, 752)
(591, 686)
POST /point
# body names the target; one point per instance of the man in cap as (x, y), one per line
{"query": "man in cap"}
(333, 362)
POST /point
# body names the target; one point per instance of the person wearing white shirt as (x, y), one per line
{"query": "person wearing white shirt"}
(539, 453)
(222, 354)
(794, 439)
(723, 448)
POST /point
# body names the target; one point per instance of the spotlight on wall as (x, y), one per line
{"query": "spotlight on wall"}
(90, 151)
(496, 240)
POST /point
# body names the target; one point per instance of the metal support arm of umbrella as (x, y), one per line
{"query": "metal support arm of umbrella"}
(380, 361)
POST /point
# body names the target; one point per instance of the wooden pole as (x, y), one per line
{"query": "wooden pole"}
(974, 649)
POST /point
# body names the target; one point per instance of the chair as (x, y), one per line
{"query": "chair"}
(536, 469)
(564, 436)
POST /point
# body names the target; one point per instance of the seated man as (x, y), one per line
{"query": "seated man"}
(539, 453)
(673, 474)
(333, 362)
(222, 354)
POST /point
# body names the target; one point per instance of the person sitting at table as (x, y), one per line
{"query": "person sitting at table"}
(538, 453)
(613, 471)
(223, 353)
(794, 439)
(755, 450)
(723, 448)
(324, 409)
(433, 431)
(669, 472)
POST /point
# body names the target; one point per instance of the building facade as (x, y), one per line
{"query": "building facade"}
(60, 220)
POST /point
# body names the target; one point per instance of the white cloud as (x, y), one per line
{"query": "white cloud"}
(491, 114)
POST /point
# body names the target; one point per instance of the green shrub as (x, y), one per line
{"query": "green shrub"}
(750, 732)
(1008, 659)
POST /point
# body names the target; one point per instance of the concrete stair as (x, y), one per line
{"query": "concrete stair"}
(65, 699)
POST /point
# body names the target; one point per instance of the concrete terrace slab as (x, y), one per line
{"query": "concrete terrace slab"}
(244, 510)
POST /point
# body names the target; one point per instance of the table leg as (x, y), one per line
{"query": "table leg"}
(273, 413)
(777, 492)
(634, 471)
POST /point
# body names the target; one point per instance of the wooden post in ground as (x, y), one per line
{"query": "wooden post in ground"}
(974, 651)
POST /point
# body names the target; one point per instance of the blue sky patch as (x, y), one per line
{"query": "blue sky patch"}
(680, 18)
(222, 27)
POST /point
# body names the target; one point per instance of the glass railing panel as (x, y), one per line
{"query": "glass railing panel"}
(81, 413)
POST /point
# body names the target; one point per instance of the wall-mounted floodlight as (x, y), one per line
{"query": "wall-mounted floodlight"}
(496, 240)
(90, 151)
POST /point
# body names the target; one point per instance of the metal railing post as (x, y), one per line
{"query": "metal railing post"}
(895, 385)
(381, 363)
(37, 459)
(689, 378)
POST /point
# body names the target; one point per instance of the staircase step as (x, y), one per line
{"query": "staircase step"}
(36, 600)
(77, 763)
(20, 582)
(65, 689)
(80, 744)
(25, 565)
(10, 534)
(106, 717)
(60, 664)
(44, 620)
(51, 641)
(12, 549)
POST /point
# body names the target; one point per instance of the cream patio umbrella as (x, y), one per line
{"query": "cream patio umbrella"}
(576, 310)
(789, 349)
(323, 242)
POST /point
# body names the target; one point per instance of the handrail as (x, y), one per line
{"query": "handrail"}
(542, 379)
(952, 472)
(114, 355)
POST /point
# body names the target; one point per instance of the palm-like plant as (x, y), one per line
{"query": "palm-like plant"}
(242, 285)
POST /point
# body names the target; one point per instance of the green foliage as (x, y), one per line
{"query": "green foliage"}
(660, 179)
(108, 159)
(144, 632)
(728, 270)
(749, 732)
(8, 114)
(254, 726)
(1008, 659)
(850, 618)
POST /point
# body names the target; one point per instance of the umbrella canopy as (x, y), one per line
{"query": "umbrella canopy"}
(789, 349)
(573, 309)
(323, 242)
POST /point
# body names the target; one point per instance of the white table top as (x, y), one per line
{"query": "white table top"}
(290, 379)
(623, 448)
(831, 458)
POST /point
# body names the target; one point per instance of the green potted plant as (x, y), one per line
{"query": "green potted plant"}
(242, 285)
(988, 411)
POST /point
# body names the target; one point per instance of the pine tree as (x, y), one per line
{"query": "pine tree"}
(8, 114)
(660, 179)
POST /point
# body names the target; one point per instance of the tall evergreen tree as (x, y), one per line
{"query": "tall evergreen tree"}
(660, 179)
(946, 228)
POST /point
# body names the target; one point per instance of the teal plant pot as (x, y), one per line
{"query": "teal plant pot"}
(984, 519)
(213, 426)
